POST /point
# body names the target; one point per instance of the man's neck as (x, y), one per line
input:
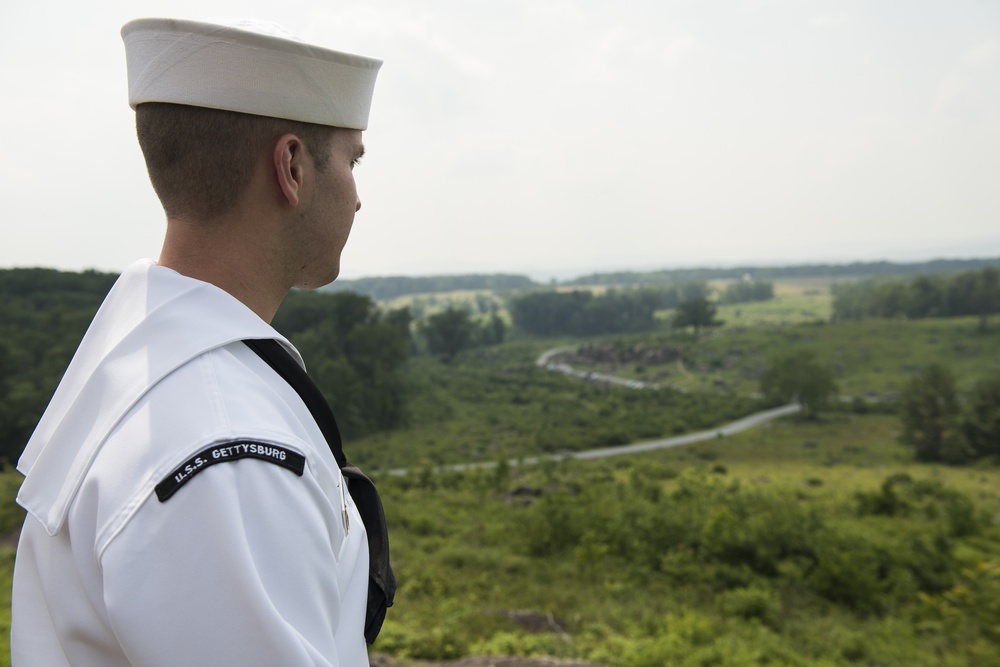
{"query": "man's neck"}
(225, 259)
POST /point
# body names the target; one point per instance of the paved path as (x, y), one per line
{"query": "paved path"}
(731, 428)
(545, 361)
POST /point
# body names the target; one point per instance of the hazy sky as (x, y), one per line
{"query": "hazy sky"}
(559, 136)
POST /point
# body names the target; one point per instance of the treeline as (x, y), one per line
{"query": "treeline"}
(582, 313)
(746, 291)
(966, 293)
(395, 286)
(354, 350)
(853, 269)
(45, 314)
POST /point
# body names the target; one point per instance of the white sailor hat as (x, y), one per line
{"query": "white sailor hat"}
(250, 66)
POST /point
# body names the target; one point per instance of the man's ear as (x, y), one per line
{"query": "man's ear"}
(288, 158)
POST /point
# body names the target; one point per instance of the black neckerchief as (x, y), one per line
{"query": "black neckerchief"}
(381, 581)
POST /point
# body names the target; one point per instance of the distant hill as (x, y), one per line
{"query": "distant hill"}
(854, 269)
(396, 286)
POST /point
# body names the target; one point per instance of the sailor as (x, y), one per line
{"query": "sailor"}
(186, 493)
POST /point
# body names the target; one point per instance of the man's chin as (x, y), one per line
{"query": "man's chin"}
(320, 280)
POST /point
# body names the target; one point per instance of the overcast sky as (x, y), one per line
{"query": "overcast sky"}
(554, 137)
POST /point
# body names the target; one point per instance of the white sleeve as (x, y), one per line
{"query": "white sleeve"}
(247, 565)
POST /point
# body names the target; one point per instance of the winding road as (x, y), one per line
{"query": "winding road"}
(742, 424)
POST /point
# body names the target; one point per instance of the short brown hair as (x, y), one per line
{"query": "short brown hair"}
(201, 160)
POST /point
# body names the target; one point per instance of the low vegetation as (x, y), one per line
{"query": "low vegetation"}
(830, 538)
(766, 548)
(495, 403)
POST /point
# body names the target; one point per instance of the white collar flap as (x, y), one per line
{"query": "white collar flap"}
(153, 321)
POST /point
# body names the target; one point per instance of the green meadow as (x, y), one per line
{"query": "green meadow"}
(797, 301)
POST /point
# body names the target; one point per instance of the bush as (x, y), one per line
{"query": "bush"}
(849, 570)
(970, 609)
(753, 603)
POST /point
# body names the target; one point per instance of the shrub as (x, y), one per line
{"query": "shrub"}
(753, 602)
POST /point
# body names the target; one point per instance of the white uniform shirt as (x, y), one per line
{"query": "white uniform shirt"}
(247, 563)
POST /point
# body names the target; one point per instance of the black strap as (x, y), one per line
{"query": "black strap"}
(284, 365)
(381, 580)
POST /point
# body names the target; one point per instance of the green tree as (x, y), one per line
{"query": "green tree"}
(798, 376)
(493, 331)
(696, 313)
(449, 332)
(981, 423)
(355, 353)
(930, 416)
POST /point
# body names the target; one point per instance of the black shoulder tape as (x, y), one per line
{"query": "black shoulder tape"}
(225, 452)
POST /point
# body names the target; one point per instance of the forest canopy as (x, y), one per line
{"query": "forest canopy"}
(356, 350)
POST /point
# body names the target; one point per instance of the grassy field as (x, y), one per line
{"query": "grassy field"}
(799, 301)
(842, 454)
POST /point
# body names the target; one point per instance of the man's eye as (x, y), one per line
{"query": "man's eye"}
(355, 162)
